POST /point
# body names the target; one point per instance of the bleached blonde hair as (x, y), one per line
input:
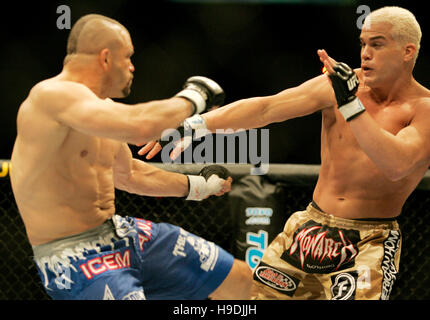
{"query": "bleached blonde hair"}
(405, 27)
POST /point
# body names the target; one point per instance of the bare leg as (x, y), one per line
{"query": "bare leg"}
(237, 284)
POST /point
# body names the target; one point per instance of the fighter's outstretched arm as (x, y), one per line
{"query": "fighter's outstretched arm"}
(138, 177)
(74, 105)
(309, 97)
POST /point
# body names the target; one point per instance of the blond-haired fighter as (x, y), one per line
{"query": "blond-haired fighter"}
(375, 148)
(71, 153)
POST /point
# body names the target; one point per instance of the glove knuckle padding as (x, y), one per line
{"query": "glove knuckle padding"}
(343, 71)
(345, 84)
(215, 94)
(220, 171)
(203, 92)
(209, 182)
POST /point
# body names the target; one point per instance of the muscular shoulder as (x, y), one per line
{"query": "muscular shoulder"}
(420, 99)
(422, 106)
(421, 116)
(46, 101)
(56, 93)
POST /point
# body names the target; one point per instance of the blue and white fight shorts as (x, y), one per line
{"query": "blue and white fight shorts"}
(131, 258)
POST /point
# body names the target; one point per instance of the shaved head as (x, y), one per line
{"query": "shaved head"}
(93, 33)
(99, 51)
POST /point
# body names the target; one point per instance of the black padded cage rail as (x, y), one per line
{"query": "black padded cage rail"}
(213, 220)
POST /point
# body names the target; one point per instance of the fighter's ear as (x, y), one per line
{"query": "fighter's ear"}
(105, 58)
(409, 51)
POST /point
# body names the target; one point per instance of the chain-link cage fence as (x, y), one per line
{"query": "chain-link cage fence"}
(213, 220)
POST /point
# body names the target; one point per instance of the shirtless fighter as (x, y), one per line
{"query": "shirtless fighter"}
(71, 153)
(375, 148)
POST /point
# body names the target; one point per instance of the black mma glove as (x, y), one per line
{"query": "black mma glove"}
(203, 93)
(209, 182)
(345, 84)
(220, 171)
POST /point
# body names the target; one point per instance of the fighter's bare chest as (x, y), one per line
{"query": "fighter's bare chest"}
(90, 149)
(391, 118)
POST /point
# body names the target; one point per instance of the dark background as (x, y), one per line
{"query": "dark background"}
(251, 48)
